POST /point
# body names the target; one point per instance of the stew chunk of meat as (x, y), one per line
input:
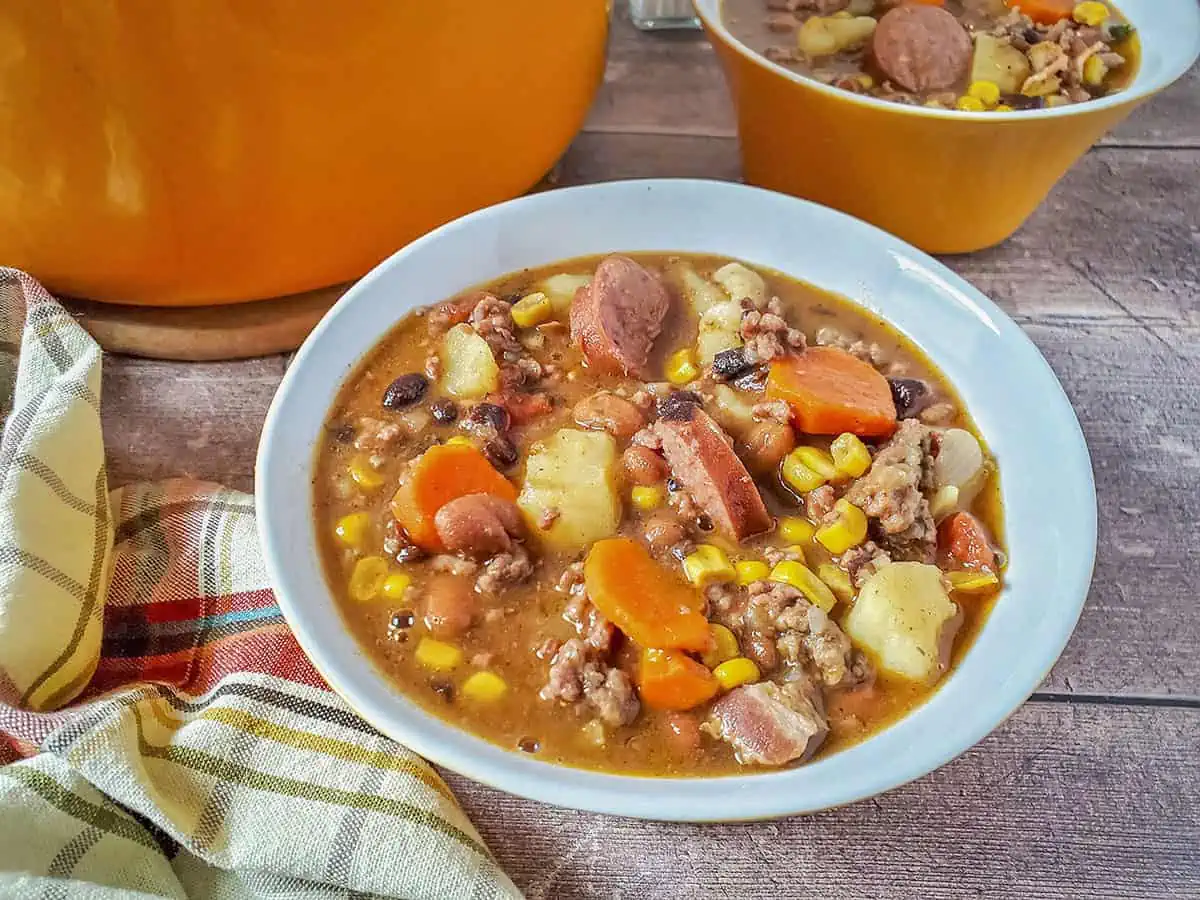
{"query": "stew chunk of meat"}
(616, 318)
(701, 456)
(769, 724)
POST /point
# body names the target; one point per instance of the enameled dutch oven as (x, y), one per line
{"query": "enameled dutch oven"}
(171, 152)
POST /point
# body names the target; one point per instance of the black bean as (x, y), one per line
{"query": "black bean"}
(911, 395)
(489, 415)
(402, 618)
(444, 412)
(678, 406)
(704, 523)
(500, 452)
(528, 745)
(673, 485)
(730, 364)
(443, 688)
(405, 391)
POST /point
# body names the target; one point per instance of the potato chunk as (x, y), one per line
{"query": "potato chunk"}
(469, 370)
(562, 288)
(571, 481)
(741, 283)
(905, 619)
(999, 62)
(700, 293)
(720, 329)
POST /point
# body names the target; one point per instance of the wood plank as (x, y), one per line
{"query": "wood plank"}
(1105, 280)
(199, 420)
(1063, 801)
(671, 83)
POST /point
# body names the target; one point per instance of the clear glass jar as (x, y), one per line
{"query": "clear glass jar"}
(651, 15)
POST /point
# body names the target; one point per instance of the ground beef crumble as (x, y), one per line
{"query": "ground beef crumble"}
(891, 493)
(766, 333)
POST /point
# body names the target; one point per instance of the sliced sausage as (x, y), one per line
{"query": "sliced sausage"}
(921, 48)
(617, 316)
(478, 525)
(768, 724)
(702, 459)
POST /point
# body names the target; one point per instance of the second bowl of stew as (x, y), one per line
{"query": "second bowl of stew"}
(599, 513)
(947, 122)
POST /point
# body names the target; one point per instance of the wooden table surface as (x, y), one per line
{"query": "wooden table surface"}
(1093, 788)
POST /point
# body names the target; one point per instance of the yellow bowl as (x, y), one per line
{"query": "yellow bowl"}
(947, 181)
(175, 152)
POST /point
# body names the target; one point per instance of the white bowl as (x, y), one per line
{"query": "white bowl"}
(1046, 476)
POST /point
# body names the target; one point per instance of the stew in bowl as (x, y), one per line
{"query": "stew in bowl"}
(730, 508)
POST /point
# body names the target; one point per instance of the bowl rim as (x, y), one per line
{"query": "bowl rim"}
(284, 521)
(1186, 51)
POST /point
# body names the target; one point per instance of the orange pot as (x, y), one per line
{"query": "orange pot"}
(178, 152)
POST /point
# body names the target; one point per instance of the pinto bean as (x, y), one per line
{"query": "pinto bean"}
(478, 525)
(450, 605)
(608, 412)
(643, 466)
(767, 443)
(663, 532)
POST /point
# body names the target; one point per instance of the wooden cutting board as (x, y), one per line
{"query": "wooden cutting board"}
(231, 331)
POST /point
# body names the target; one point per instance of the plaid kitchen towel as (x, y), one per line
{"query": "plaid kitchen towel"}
(161, 733)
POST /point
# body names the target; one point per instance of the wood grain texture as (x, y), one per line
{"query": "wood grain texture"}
(670, 83)
(1062, 801)
(1104, 278)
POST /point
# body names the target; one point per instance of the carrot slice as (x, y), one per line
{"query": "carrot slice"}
(443, 473)
(669, 679)
(1046, 12)
(831, 392)
(963, 540)
(642, 599)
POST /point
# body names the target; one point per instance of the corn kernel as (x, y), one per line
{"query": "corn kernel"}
(484, 687)
(366, 578)
(1057, 100)
(967, 103)
(837, 580)
(648, 496)
(798, 474)
(848, 530)
(364, 475)
(351, 530)
(751, 570)
(943, 502)
(724, 646)
(798, 552)
(395, 585)
(802, 579)
(986, 92)
(817, 460)
(460, 441)
(1090, 12)
(681, 367)
(1003, 107)
(850, 455)
(1094, 71)
(865, 81)
(437, 655)
(736, 672)
(708, 565)
(532, 309)
(796, 530)
(968, 582)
